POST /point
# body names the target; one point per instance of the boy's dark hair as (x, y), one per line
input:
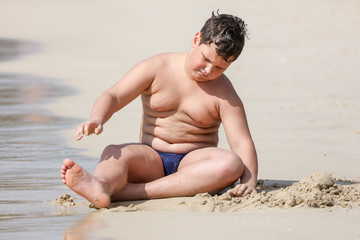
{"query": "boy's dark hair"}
(227, 32)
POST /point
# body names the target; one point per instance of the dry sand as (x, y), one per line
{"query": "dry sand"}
(298, 78)
(320, 190)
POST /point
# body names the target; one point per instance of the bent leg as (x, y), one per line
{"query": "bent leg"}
(203, 170)
(84, 184)
(135, 163)
(211, 170)
(119, 165)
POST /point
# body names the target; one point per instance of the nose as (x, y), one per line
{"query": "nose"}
(208, 69)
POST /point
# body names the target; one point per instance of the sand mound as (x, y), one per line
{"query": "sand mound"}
(317, 191)
(64, 200)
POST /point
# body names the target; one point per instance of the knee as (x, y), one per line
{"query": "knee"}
(122, 151)
(111, 151)
(231, 167)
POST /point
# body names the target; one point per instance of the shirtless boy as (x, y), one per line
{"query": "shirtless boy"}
(185, 97)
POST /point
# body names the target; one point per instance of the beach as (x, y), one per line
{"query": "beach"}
(298, 79)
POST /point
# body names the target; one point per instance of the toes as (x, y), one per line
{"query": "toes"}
(68, 163)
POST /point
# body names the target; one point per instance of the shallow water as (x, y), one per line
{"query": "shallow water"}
(31, 153)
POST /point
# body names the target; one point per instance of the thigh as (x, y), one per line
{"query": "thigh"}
(211, 168)
(143, 163)
(211, 155)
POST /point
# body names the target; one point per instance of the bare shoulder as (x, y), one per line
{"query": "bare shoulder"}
(148, 69)
(164, 59)
(225, 92)
(152, 63)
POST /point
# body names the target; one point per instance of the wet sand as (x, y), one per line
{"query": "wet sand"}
(297, 78)
(31, 147)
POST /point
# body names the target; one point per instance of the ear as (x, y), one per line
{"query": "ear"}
(196, 40)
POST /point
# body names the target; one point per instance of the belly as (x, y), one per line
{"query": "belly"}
(173, 135)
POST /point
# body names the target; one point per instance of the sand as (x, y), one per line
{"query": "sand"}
(303, 204)
(320, 190)
(298, 78)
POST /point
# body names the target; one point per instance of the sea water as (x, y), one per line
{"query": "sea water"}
(31, 154)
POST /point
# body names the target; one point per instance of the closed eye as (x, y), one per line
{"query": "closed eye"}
(205, 58)
(208, 60)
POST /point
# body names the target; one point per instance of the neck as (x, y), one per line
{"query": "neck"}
(186, 65)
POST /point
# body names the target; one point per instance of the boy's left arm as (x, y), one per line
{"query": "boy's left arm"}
(235, 124)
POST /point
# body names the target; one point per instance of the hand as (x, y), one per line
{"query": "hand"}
(87, 128)
(241, 190)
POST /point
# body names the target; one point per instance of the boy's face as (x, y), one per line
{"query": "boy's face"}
(204, 63)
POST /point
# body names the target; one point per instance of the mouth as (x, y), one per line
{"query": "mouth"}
(202, 74)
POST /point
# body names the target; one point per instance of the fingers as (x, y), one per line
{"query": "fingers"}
(87, 128)
(98, 129)
(241, 190)
(80, 132)
(237, 191)
(246, 192)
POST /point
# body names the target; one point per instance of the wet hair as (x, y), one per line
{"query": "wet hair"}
(227, 32)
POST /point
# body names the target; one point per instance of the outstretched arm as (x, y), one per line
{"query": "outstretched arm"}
(137, 80)
(238, 135)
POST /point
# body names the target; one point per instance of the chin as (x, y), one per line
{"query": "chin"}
(200, 78)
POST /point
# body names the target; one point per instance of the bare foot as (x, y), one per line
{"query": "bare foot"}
(84, 184)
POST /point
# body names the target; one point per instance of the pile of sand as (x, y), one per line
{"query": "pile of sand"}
(317, 191)
(64, 200)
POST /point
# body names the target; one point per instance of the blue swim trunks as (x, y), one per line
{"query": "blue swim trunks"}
(171, 161)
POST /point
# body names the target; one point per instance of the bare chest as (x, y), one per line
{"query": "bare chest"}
(189, 104)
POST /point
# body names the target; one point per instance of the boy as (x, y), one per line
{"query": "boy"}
(185, 97)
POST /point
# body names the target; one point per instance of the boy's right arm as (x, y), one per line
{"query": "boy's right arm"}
(136, 81)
